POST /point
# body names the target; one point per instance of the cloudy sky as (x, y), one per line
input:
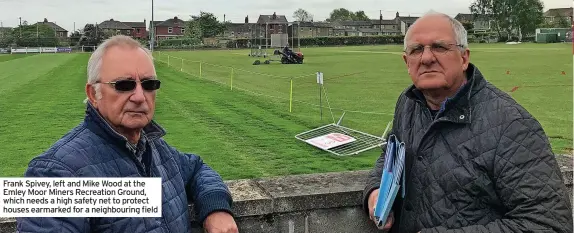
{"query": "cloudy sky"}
(67, 12)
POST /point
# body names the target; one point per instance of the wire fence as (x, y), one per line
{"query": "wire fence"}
(300, 89)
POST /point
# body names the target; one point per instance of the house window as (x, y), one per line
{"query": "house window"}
(138, 30)
(169, 30)
(182, 30)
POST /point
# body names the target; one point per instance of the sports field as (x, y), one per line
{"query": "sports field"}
(237, 116)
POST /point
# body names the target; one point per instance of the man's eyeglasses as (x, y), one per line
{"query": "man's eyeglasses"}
(435, 48)
(130, 85)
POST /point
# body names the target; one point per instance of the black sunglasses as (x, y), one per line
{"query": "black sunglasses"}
(130, 85)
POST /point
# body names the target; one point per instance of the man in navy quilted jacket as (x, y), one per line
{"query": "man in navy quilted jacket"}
(118, 138)
(475, 159)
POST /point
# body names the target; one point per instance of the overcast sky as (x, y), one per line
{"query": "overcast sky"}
(67, 12)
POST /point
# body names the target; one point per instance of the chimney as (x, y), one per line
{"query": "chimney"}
(45, 20)
(274, 16)
(112, 19)
(247, 19)
(224, 18)
(145, 21)
(175, 18)
(397, 15)
(381, 16)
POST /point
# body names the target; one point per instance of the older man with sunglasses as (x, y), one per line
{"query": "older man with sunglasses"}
(476, 161)
(118, 138)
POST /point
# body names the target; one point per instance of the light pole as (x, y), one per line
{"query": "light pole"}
(152, 31)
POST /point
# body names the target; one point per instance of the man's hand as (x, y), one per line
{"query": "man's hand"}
(372, 202)
(220, 222)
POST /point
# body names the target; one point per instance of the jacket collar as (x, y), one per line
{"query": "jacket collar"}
(457, 108)
(97, 124)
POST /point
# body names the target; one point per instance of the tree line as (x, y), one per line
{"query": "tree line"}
(515, 17)
(508, 17)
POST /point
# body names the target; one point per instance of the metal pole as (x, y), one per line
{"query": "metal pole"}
(298, 37)
(321, 101)
(292, 34)
(152, 31)
(20, 26)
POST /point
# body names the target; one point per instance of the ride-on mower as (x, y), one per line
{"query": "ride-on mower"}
(287, 56)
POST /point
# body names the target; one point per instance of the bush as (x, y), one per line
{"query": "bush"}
(178, 42)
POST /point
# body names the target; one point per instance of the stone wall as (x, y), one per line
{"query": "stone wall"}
(316, 203)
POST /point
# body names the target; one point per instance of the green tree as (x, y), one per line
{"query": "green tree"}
(6, 38)
(75, 37)
(93, 35)
(210, 26)
(562, 22)
(340, 14)
(468, 25)
(528, 15)
(37, 35)
(193, 34)
(360, 16)
(302, 15)
(509, 16)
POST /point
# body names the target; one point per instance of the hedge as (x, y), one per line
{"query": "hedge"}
(177, 42)
(328, 41)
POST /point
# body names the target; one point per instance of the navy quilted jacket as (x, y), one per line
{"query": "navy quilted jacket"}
(93, 149)
(482, 164)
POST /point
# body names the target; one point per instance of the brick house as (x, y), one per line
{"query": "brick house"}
(323, 29)
(353, 28)
(386, 26)
(60, 32)
(276, 24)
(169, 29)
(310, 29)
(553, 15)
(114, 27)
(404, 22)
(139, 30)
(240, 30)
(301, 29)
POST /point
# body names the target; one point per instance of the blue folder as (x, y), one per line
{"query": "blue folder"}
(393, 173)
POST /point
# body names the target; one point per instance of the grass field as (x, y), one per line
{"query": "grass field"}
(248, 131)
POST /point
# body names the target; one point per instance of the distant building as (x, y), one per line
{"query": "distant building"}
(60, 32)
(139, 30)
(115, 27)
(480, 23)
(404, 22)
(553, 15)
(169, 29)
(275, 24)
(386, 26)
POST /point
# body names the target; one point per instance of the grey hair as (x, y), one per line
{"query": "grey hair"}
(95, 62)
(460, 33)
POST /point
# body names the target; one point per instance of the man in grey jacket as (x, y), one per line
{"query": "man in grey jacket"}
(476, 161)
